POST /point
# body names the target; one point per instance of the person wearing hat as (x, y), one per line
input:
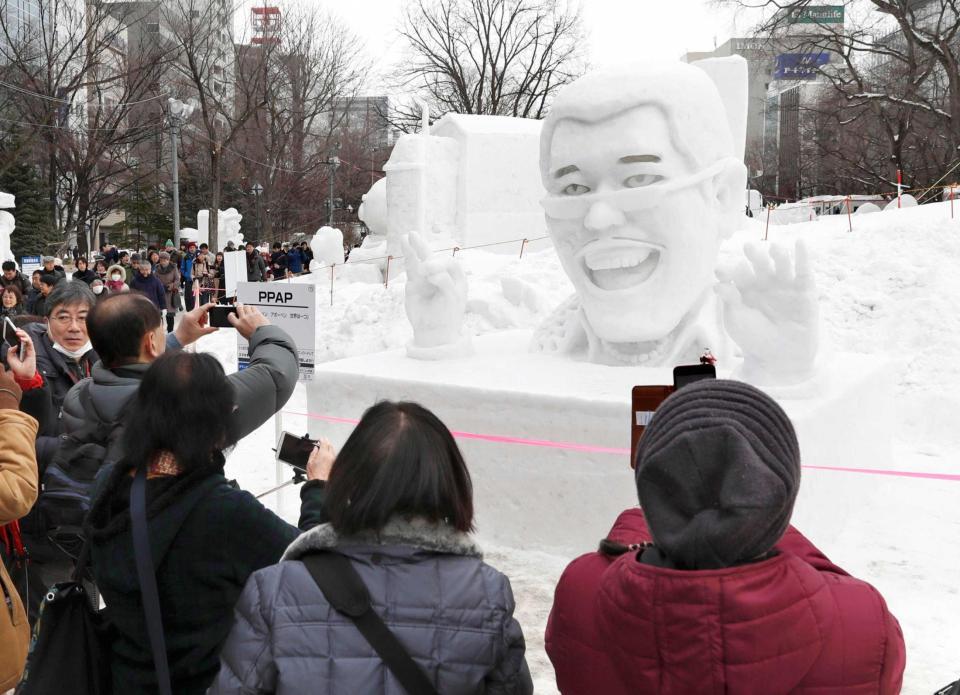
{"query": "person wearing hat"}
(168, 274)
(50, 267)
(99, 289)
(707, 588)
(186, 274)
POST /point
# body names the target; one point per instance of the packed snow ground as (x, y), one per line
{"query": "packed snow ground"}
(890, 287)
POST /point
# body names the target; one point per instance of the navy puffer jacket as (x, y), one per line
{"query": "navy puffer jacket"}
(428, 582)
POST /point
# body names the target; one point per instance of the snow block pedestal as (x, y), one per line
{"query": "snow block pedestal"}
(545, 437)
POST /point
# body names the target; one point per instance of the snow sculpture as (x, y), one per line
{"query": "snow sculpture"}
(867, 209)
(7, 224)
(373, 209)
(435, 302)
(643, 167)
(327, 247)
(228, 228)
(906, 201)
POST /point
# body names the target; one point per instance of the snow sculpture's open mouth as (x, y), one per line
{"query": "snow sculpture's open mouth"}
(620, 264)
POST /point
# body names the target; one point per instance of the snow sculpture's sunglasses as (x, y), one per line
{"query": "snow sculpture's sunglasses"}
(571, 207)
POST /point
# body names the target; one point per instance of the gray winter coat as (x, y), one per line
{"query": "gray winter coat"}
(261, 389)
(429, 583)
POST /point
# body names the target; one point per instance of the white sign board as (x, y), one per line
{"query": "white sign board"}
(292, 307)
(30, 263)
(234, 271)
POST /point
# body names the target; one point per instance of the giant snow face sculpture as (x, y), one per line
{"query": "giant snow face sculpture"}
(644, 177)
(634, 219)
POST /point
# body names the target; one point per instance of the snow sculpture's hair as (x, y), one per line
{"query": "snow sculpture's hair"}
(687, 96)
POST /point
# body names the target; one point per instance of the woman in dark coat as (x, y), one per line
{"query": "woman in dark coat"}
(11, 302)
(206, 535)
(145, 282)
(83, 273)
(400, 503)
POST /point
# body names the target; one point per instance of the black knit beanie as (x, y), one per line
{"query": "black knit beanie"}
(718, 470)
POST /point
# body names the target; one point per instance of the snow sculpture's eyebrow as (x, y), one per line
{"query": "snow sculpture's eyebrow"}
(560, 173)
(640, 159)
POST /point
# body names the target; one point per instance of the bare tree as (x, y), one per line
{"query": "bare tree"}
(894, 98)
(313, 75)
(500, 57)
(75, 91)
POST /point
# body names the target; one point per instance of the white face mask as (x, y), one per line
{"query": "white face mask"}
(98, 289)
(115, 277)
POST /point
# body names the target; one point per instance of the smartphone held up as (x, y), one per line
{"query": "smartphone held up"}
(646, 399)
(11, 338)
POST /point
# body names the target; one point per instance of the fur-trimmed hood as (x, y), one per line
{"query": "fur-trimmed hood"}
(415, 532)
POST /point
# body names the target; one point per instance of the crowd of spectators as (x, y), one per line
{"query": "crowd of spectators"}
(703, 588)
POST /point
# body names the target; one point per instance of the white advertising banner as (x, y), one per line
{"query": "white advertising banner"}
(234, 271)
(292, 307)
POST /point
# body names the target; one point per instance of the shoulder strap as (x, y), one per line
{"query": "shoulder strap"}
(345, 591)
(148, 578)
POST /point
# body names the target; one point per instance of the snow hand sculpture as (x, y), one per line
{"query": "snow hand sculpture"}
(771, 311)
(435, 302)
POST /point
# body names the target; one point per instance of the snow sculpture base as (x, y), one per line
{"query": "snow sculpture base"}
(545, 497)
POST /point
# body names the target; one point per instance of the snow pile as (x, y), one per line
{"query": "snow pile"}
(888, 288)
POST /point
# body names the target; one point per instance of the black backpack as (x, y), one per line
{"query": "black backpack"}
(67, 483)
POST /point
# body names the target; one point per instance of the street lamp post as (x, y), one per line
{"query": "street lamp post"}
(333, 162)
(257, 190)
(177, 114)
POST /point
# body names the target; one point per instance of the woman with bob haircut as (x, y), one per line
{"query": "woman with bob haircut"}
(400, 504)
(206, 536)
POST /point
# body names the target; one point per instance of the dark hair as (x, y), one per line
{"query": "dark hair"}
(116, 326)
(82, 260)
(122, 254)
(276, 244)
(400, 459)
(9, 265)
(204, 246)
(36, 272)
(49, 279)
(16, 292)
(70, 292)
(179, 390)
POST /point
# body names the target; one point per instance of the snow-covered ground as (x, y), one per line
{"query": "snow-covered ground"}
(890, 287)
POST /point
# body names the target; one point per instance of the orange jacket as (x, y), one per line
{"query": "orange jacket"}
(18, 492)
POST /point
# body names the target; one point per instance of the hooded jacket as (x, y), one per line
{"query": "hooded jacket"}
(451, 611)
(116, 285)
(18, 492)
(791, 623)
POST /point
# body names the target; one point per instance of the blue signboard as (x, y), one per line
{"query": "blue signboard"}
(800, 66)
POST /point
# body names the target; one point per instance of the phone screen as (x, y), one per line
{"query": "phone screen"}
(218, 316)
(295, 450)
(10, 336)
(646, 399)
(684, 376)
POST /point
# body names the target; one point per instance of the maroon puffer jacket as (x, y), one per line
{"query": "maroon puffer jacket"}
(795, 623)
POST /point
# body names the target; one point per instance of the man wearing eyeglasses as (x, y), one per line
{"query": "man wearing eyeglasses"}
(645, 178)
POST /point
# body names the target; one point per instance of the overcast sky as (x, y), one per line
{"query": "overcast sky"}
(617, 30)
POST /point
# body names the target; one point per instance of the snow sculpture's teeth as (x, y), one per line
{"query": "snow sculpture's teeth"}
(618, 266)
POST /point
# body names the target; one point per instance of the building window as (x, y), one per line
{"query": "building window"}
(153, 27)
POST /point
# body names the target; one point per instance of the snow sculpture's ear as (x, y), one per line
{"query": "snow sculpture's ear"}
(731, 77)
(728, 187)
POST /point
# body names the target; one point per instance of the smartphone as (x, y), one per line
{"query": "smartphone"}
(218, 316)
(10, 336)
(294, 451)
(686, 375)
(646, 399)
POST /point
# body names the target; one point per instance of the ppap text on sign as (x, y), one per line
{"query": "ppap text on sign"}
(292, 307)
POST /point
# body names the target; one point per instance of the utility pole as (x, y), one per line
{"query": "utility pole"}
(333, 162)
(257, 190)
(177, 114)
